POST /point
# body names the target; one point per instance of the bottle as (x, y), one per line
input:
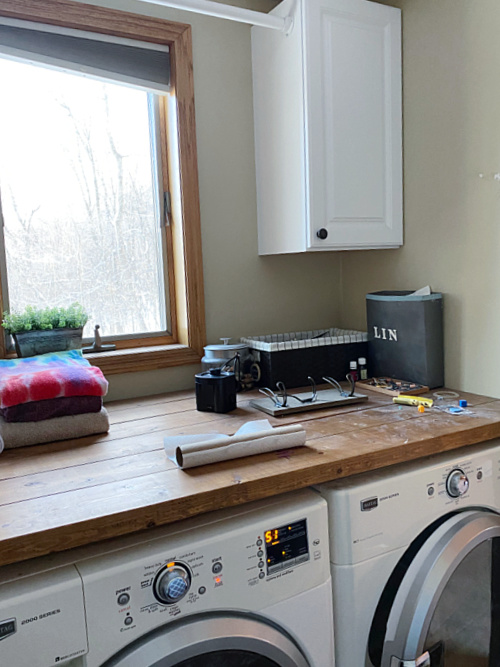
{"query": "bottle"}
(363, 371)
(353, 370)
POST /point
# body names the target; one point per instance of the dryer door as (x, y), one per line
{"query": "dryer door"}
(213, 641)
(445, 609)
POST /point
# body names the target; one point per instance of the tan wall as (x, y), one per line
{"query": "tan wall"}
(245, 294)
(451, 96)
(451, 111)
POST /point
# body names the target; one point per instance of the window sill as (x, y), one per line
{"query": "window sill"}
(136, 359)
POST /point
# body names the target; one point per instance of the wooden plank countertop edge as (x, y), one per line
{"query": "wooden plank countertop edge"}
(40, 526)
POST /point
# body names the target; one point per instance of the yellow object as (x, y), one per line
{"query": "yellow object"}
(403, 399)
(421, 408)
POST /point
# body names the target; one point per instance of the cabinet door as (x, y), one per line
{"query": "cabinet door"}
(353, 124)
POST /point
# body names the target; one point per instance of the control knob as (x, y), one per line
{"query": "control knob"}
(457, 483)
(172, 583)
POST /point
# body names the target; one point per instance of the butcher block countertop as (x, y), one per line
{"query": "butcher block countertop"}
(57, 496)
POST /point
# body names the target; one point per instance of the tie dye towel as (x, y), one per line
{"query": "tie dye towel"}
(46, 376)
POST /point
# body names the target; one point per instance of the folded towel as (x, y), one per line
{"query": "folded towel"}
(59, 428)
(46, 376)
(36, 411)
(254, 437)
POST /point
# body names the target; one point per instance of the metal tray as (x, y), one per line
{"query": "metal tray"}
(328, 398)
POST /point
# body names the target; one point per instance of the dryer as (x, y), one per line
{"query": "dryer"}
(415, 562)
(245, 587)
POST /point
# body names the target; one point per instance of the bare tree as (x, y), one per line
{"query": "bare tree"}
(104, 253)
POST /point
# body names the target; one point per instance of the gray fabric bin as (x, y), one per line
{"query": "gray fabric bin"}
(405, 337)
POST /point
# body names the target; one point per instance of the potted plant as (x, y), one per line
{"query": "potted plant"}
(41, 330)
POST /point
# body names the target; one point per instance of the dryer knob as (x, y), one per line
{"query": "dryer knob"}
(172, 583)
(457, 483)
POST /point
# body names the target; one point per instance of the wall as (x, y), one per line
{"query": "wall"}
(451, 96)
(245, 294)
(451, 110)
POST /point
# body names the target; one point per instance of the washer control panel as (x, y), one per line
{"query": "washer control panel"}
(385, 510)
(247, 558)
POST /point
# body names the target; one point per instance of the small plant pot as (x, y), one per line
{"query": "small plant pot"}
(30, 343)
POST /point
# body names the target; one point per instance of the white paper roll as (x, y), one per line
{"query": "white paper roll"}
(221, 448)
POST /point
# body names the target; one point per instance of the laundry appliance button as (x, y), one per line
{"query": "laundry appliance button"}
(457, 483)
(172, 583)
(217, 568)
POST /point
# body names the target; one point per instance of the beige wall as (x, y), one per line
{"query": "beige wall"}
(451, 116)
(451, 58)
(245, 294)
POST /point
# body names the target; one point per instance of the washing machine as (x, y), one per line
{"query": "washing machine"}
(415, 562)
(245, 587)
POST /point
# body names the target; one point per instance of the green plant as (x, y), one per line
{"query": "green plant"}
(32, 318)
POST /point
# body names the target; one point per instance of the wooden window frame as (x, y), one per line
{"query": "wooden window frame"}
(177, 127)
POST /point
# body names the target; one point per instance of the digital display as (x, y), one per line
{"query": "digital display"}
(286, 546)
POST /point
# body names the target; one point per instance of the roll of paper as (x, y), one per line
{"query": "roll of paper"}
(246, 442)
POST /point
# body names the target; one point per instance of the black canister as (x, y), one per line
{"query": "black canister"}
(215, 391)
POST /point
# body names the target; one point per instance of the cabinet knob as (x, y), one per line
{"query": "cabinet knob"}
(322, 233)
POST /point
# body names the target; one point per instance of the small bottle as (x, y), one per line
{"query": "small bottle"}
(363, 371)
(353, 370)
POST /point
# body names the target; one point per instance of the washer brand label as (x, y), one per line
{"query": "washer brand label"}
(391, 495)
(50, 613)
(53, 612)
(7, 628)
(369, 504)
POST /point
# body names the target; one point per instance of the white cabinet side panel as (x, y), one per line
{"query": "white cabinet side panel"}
(353, 61)
(278, 93)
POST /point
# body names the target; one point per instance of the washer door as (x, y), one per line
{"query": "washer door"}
(213, 641)
(444, 609)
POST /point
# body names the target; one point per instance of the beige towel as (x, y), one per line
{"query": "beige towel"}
(254, 438)
(22, 434)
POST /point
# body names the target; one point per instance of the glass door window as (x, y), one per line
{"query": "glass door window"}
(233, 658)
(443, 607)
(462, 619)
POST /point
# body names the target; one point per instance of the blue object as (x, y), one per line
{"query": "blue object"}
(462, 403)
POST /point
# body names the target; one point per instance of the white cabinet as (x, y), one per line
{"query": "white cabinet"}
(327, 109)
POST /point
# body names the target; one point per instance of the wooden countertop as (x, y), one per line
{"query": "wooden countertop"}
(62, 495)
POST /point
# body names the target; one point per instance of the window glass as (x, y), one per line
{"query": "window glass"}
(78, 185)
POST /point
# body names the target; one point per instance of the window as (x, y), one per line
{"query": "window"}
(82, 177)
